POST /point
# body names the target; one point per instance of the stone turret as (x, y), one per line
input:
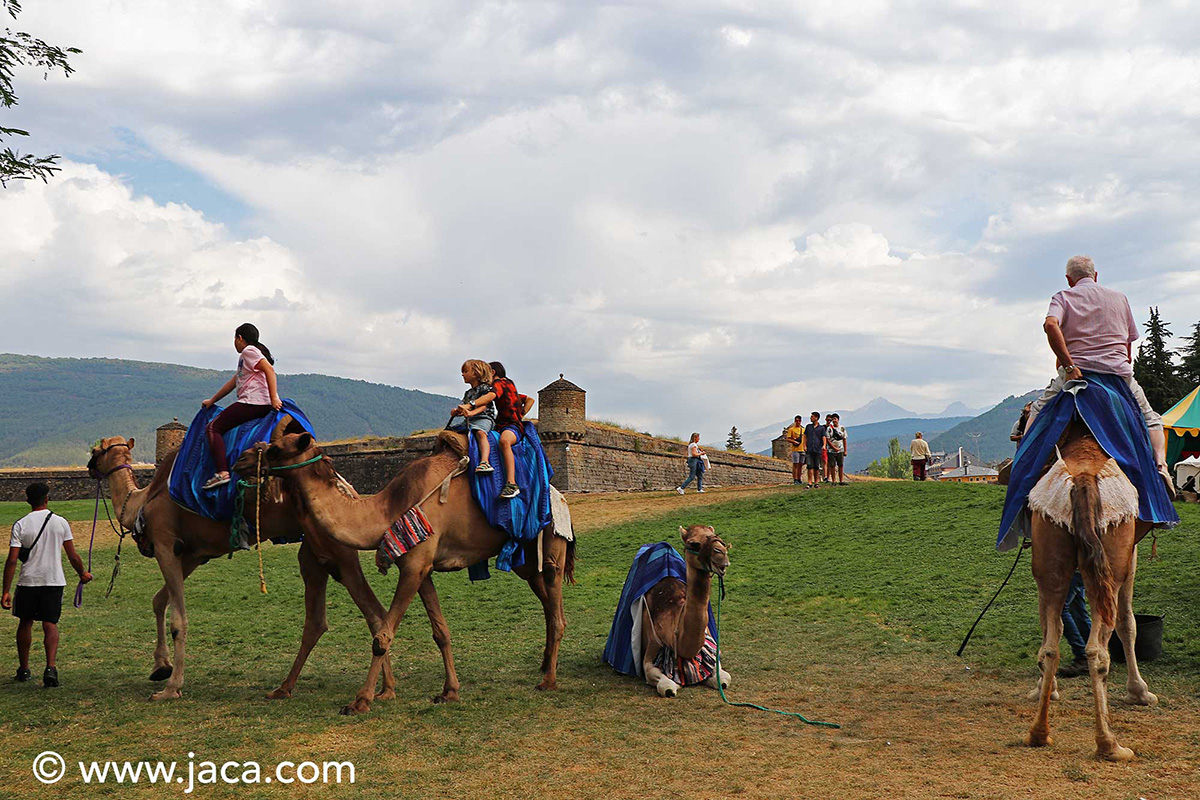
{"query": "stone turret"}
(168, 437)
(781, 448)
(562, 411)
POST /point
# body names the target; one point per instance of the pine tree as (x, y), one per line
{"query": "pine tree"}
(734, 442)
(1155, 368)
(1189, 357)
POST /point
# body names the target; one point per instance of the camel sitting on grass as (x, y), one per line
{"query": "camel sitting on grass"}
(1085, 517)
(675, 615)
(461, 536)
(181, 540)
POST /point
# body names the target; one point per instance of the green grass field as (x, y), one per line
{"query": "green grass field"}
(842, 604)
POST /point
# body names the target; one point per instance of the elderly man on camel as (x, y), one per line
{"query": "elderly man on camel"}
(1091, 328)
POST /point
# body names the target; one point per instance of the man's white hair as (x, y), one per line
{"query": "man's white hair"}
(1080, 267)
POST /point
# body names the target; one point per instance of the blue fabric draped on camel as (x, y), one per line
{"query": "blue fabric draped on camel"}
(653, 562)
(522, 517)
(1109, 409)
(193, 466)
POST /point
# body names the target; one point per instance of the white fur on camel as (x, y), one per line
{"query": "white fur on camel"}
(1052, 496)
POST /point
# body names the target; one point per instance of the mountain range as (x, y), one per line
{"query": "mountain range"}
(54, 408)
(877, 410)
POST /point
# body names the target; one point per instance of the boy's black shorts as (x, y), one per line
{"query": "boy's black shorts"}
(40, 603)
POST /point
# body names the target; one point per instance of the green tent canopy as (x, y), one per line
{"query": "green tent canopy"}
(1182, 425)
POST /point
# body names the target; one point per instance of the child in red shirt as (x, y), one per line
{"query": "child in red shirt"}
(511, 408)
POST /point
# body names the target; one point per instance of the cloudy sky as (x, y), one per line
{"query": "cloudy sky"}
(705, 213)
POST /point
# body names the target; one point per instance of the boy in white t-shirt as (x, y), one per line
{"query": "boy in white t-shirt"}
(40, 587)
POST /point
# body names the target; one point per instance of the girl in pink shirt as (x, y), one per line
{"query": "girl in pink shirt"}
(257, 395)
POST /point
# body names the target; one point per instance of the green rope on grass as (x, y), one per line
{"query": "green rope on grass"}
(721, 687)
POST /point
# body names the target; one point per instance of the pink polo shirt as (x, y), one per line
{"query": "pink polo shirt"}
(1098, 325)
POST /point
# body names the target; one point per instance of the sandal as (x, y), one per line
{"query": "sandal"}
(484, 468)
(220, 479)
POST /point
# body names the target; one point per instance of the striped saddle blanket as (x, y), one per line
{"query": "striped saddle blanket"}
(405, 534)
(689, 673)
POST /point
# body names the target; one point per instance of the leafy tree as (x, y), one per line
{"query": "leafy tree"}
(1189, 357)
(1155, 367)
(21, 49)
(895, 464)
(734, 442)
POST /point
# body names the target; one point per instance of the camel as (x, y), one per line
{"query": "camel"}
(181, 540)
(1084, 515)
(461, 537)
(675, 615)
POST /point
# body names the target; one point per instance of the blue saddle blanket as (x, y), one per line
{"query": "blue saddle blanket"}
(193, 465)
(652, 563)
(1109, 409)
(522, 517)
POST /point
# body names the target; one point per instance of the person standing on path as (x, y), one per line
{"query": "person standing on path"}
(836, 438)
(40, 536)
(814, 444)
(919, 448)
(795, 437)
(695, 461)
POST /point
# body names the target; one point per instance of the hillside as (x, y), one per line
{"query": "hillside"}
(869, 442)
(54, 408)
(995, 425)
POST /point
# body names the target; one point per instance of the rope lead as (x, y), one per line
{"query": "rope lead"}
(721, 688)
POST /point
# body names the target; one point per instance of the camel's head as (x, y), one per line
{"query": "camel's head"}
(704, 550)
(110, 455)
(288, 450)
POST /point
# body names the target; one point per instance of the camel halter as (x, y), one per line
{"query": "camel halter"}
(121, 532)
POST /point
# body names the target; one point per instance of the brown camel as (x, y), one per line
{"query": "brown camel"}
(675, 615)
(1085, 517)
(180, 541)
(461, 537)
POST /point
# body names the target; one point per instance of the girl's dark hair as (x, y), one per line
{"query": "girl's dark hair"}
(250, 334)
(498, 369)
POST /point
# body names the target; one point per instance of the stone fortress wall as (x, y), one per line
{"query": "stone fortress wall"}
(585, 456)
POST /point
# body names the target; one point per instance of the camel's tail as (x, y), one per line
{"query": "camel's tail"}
(569, 567)
(1087, 513)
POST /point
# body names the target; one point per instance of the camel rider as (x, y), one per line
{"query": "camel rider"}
(1091, 327)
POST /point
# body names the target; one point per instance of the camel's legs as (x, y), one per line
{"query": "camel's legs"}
(172, 569)
(441, 636)
(162, 655)
(553, 564)
(316, 579)
(351, 576)
(1138, 692)
(650, 648)
(415, 567)
(1053, 565)
(1118, 548)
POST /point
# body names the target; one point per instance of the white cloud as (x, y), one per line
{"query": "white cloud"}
(704, 212)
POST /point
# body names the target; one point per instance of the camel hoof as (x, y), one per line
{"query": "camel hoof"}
(1054, 695)
(279, 694)
(166, 694)
(356, 708)
(1118, 753)
(1039, 739)
(386, 694)
(547, 685)
(1146, 698)
(161, 673)
(667, 687)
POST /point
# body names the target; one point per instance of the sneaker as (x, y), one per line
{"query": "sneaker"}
(509, 491)
(220, 479)
(679, 490)
(1076, 668)
(50, 678)
(699, 491)
(23, 675)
